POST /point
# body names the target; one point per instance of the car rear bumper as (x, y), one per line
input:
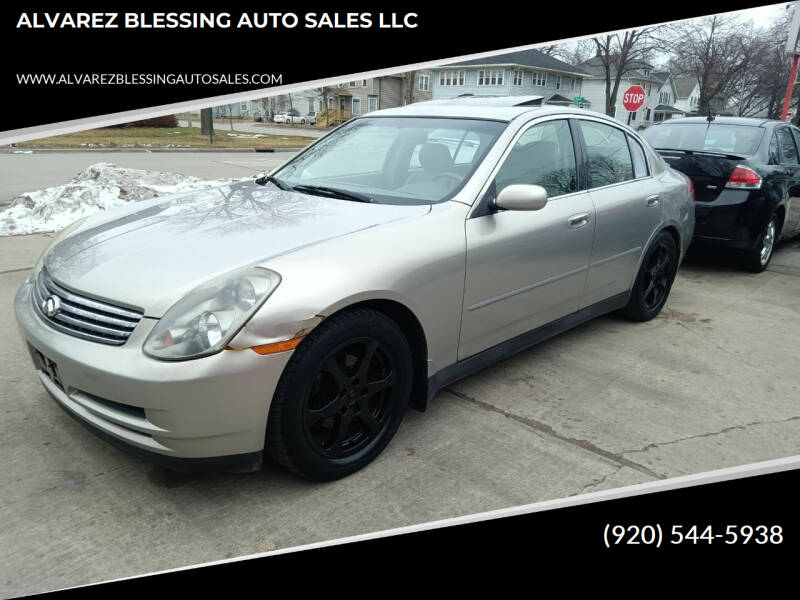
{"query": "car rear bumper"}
(735, 219)
(208, 413)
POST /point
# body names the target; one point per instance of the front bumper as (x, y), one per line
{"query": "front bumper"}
(208, 413)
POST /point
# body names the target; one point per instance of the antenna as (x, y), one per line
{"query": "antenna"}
(710, 116)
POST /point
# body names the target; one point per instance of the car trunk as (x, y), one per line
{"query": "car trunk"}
(708, 171)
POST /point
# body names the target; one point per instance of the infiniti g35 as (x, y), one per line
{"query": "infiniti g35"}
(300, 314)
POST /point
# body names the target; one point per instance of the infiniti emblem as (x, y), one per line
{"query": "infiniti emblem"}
(51, 306)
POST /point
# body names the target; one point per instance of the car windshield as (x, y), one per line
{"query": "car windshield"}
(713, 137)
(396, 160)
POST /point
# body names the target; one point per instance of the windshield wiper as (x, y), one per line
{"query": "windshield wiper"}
(274, 180)
(334, 192)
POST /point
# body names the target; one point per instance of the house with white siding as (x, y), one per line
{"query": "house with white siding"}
(667, 95)
(688, 98)
(641, 73)
(527, 72)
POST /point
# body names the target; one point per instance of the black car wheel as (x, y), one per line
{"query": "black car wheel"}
(757, 259)
(341, 397)
(654, 280)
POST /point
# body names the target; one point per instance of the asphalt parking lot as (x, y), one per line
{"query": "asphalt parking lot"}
(711, 383)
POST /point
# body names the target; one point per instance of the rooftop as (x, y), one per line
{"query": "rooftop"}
(523, 58)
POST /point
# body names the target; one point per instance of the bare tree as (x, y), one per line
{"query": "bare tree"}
(621, 53)
(572, 53)
(717, 51)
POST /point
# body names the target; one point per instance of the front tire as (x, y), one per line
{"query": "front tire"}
(757, 259)
(654, 280)
(341, 397)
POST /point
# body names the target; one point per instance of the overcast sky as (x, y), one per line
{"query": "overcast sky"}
(764, 15)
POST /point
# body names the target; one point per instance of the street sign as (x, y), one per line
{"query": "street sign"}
(578, 100)
(633, 98)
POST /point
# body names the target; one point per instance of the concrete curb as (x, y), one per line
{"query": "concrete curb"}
(118, 149)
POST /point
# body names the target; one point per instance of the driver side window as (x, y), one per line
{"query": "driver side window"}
(543, 155)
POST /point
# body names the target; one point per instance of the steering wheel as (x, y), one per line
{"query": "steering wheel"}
(449, 175)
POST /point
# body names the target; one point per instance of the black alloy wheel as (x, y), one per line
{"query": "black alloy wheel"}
(342, 395)
(349, 401)
(654, 280)
(657, 277)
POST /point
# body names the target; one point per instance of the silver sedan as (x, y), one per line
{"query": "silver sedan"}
(299, 315)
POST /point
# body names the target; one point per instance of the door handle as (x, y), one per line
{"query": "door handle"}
(578, 220)
(652, 200)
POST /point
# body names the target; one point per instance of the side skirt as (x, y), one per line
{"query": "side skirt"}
(487, 357)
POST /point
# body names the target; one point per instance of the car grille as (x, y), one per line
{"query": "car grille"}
(81, 316)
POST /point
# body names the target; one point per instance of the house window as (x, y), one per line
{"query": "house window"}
(341, 85)
(558, 82)
(451, 78)
(424, 82)
(243, 106)
(633, 116)
(572, 85)
(363, 83)
(491, 77)
(647, 115)
(353, 84)
(539, 78)
(372, 103)
(356, 106)
(516, 77)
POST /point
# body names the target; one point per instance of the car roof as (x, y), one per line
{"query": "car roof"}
(498, 108)
(751, 121)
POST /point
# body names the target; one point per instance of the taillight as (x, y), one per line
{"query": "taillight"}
(691, 188)
(744, 178)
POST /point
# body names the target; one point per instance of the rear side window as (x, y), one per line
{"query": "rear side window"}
(609, 155)
(774, 150)
(639, 161)
(786, 143)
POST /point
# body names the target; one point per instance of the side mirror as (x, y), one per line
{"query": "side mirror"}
(522, 197)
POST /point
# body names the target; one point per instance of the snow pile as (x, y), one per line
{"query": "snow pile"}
(99, 187)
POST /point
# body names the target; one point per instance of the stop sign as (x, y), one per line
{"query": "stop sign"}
(633, 98)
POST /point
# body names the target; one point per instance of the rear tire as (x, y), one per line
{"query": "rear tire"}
(341, 397)
(654, 280)
(757, 259)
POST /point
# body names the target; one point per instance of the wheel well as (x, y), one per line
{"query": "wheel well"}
(415, 335)
(675, 236)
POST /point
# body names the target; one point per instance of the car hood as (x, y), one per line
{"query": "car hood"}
(150, 255)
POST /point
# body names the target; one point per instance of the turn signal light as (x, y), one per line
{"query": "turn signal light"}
(277, 346)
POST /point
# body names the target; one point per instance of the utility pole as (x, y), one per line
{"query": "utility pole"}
(791, 48)
(207, 123)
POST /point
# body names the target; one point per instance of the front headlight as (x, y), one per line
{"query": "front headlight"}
(59, 236)
(205, 320)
